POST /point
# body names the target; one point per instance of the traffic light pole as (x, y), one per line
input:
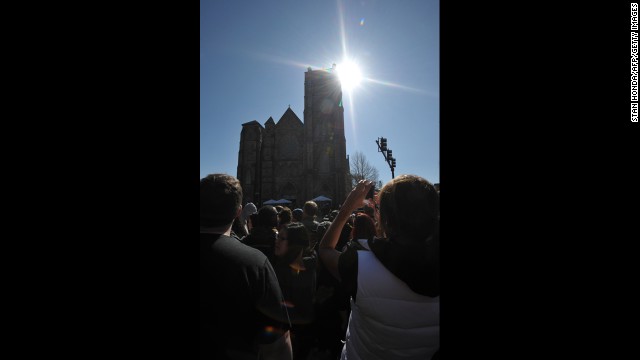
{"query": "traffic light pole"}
(387, 153)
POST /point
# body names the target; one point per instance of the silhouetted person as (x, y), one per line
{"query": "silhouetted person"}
(242, 313)
(295, 266)
(316, 229)
(363, 231)
(296, 215)
(394, 286)
(238, 231)
(284, 217)
(262, 235)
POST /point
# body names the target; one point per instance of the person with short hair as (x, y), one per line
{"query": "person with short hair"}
(242, 314)
(297, 215)
(262, 235)
(284, 217)
(310, 212)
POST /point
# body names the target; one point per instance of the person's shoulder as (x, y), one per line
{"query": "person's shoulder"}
(252, 254)
(239, 252)
(309, 225)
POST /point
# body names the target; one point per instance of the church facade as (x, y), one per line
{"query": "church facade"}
(298, 161)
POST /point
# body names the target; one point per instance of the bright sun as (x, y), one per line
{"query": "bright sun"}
(349, 75)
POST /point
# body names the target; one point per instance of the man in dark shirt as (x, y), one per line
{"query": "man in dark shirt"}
(314, 228)
(263, 233)
(242, 313)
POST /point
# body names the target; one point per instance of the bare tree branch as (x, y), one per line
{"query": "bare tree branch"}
(362, 170)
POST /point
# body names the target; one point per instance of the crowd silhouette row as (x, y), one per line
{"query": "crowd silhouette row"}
(359, 282)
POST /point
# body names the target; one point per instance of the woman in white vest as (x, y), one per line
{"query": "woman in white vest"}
(394, 284)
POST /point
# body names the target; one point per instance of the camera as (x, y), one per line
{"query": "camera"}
(371, 192)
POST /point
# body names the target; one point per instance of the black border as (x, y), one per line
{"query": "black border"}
(536, 151)
(134, 238)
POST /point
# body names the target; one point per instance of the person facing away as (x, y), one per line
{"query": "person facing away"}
(242, 314)
(296, 215)
(295, 267)
(262, 235)
(309, 213)
(394, 286)
(315, 228)
(332, 302)
(284, 217)
(363, 231)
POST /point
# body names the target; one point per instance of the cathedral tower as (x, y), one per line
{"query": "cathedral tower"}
(325, 162)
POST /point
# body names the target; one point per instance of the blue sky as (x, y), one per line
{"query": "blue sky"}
(253, 55)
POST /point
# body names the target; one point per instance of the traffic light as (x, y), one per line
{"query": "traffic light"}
(387, 153)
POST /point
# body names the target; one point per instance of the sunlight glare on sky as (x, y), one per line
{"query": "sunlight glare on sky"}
(349, 74)
(253, 56)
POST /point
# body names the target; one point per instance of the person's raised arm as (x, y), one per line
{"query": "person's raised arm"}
(328, 254)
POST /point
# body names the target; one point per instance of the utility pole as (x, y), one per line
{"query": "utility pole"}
(387, 153)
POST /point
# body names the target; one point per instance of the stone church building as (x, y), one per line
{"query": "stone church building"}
(298, 161)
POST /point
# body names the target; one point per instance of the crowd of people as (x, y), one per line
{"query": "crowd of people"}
(362, 282)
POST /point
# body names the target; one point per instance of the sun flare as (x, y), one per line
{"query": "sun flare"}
(349, 74)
